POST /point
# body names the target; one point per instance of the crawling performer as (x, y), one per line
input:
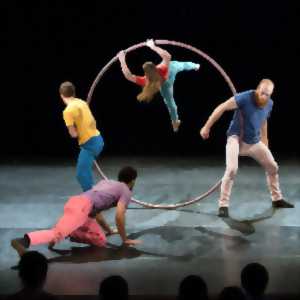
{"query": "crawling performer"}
(77, 222)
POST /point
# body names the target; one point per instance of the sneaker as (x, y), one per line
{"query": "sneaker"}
(17, 244)
(223, 212)
(176, 125)
(282, 204)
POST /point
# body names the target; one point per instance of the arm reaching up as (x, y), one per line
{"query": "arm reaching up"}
(125, 70)
(165, 55)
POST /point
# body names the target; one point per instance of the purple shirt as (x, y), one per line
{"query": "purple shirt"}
(107, 193)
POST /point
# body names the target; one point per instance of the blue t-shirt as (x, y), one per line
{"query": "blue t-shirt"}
(250, 115)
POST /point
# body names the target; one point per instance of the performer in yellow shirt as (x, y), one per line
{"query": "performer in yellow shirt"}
(81, 125)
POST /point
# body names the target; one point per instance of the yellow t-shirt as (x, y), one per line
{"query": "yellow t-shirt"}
(78, 114)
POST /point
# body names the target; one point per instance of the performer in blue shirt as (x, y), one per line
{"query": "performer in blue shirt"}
(247, 136)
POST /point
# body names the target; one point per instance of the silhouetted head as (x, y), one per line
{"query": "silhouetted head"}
(254, 279)
(193, 287)
(232, 293)
(113, 287)
(33, 268)
(128, 175)
(263, 92)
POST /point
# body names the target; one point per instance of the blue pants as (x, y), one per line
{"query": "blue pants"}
(88, 153)
(167, 88)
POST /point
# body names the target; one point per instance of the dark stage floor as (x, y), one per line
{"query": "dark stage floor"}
(175, 242)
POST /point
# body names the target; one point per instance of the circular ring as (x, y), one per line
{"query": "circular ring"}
(210, 60)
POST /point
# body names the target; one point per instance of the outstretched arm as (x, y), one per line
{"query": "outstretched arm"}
(120, 222)
(165, 55)
(215, 116)
(264, 133)
(125, 70)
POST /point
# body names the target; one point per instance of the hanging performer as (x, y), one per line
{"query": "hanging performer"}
(158, 78)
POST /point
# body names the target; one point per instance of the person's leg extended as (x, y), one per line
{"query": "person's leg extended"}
(76, 213)
(232, 156)
(88, 153)
(179, 66)
(167, 89)
(262, 154)
(167, 94)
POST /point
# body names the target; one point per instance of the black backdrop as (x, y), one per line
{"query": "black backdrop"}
(47, 42)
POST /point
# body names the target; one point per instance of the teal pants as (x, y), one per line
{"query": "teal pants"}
(88, 153)
(167, 88)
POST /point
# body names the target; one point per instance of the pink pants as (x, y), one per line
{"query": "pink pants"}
(75, 223)
(261, 153)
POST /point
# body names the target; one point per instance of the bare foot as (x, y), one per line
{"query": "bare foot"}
(176, 125)
(197, 67)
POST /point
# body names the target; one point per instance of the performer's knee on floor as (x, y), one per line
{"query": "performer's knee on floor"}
(100, 242)
(93, 238)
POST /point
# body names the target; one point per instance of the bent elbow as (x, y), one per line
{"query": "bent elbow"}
(168, 56)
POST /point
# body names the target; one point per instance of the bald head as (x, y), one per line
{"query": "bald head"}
(263, 92)
(266, 82)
